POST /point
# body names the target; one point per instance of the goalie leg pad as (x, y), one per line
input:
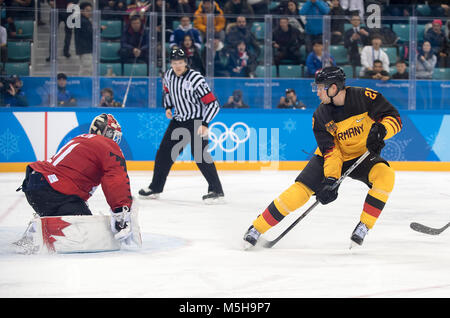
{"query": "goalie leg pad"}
(74, 234)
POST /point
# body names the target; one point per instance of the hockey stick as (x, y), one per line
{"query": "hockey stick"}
(269, 244)
(428, 230)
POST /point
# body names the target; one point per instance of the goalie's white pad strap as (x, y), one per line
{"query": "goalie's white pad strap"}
(75, 234)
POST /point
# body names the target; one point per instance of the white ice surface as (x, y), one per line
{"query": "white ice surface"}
(194, 250)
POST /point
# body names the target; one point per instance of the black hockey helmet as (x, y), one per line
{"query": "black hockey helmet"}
(106, 125)
(328, 76)
(177, 54)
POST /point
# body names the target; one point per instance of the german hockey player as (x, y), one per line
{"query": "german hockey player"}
(348, 122)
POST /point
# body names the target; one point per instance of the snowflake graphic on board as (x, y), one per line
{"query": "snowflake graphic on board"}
(9, 144)
(290, 125)
(395, 149)
(151, 127)
(431, 138)
(277, 151)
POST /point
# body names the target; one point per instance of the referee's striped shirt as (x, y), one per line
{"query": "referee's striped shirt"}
(190, 96)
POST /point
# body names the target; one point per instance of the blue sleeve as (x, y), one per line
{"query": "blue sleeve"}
(306, 9)
(310, 63)
(322, 6)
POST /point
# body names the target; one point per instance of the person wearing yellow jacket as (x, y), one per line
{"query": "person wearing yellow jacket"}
(348, 122)
(200, 18)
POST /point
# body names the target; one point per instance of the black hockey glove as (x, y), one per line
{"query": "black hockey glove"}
(375, 139)
(327, 194)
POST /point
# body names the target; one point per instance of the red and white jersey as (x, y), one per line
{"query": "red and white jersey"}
(85, 162)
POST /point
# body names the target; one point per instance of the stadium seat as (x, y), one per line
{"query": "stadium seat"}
(273, 4)
(348, 70)
(441, 74)
(109, 52)
(113, 29)
(24, 29)
(19, 51)
(116, 68)
(402, 31)
(140, 69)
(391, 53)
(290, 71)
(420, 31)
(20, 69)
(423, 10)
(258, 29)
(339, 53)
(260, 71)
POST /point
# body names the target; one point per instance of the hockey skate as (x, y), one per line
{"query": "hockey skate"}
(26, 245)
(147, 193)
(358, 234)
(213, 198)
(251, 237)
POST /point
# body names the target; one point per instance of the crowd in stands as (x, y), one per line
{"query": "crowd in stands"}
(238, 41)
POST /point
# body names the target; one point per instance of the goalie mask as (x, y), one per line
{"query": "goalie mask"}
(106, 125)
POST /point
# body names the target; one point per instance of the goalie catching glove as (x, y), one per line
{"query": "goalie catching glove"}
(124, 225)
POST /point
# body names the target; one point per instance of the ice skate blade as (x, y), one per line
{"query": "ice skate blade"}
(353, 245)
(246, 246)
(214, 201)
(149, 197)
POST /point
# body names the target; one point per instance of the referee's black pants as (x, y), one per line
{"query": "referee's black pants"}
(177, 136)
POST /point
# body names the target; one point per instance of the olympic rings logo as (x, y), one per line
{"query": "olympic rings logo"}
(228, 132)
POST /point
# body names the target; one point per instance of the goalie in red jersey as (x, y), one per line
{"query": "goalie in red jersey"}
(61, 185)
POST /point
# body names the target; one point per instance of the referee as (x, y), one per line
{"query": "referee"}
(190, 105)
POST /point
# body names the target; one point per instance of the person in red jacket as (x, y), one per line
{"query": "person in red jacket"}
(61, 185)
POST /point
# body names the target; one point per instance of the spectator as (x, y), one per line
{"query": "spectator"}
(241, 63)
(292, 11)
(315, 9)
(290, 100)
(444, 52)
(337, 22)
(107, 99)
(352, 7)
(13, 94)
(287, 42)
(238, 7)
(426, 61)
(65, 98)
(373, 52)
(435, 36)
(315, 60)
(184, 28)
(193, 54)
(209, 6)
(355, 39)
(61, 6)
(235, 100)
(111, 9)
(377, 72)
(183, 6)
(20, 9)
(134, 42)
(240, 32)
(137, 8)
(3, 47)
(401, 71)
(259, 7)
(83, 40)
(220, 57)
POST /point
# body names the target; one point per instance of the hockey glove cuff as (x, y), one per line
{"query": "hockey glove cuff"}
(328, 194)
(121, 224)
(375, 139)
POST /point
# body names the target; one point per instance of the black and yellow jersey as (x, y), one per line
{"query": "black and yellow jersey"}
(341, 131)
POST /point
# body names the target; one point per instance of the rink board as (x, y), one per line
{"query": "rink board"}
(239, 139)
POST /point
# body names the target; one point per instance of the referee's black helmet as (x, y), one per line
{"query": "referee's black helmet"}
(328, 76)
(177, 54)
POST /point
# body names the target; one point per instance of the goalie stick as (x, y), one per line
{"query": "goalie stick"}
(428, 230)
(269, 244)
